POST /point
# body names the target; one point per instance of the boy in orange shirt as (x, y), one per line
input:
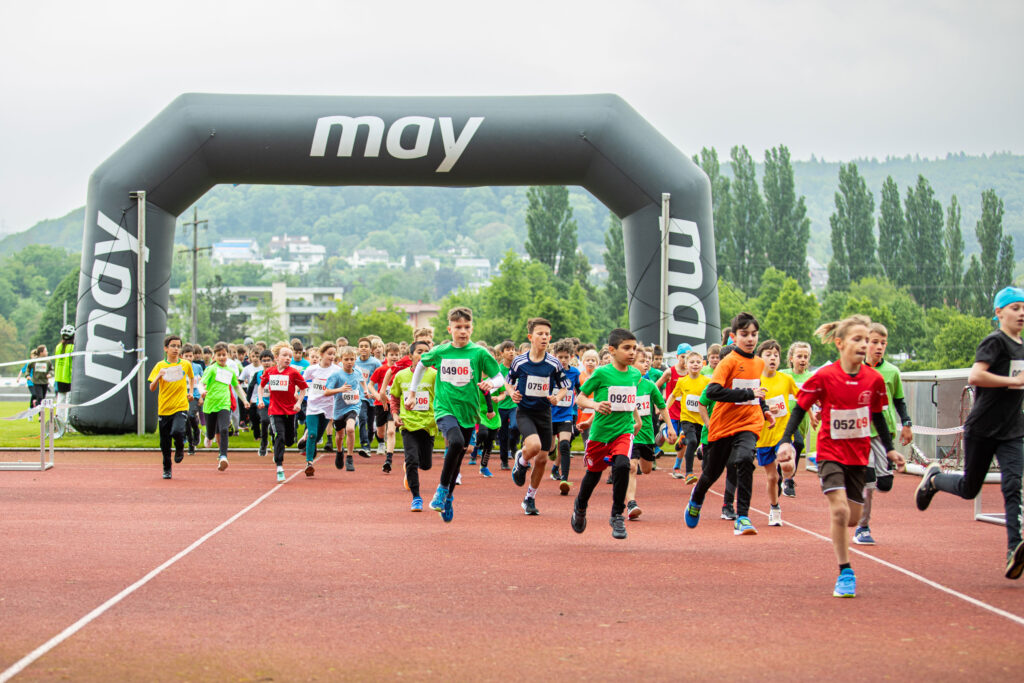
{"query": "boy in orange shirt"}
(740, 414)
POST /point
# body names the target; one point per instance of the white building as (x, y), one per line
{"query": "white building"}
(364, 257)
(235, 251)
(306, 253)
(479, 267)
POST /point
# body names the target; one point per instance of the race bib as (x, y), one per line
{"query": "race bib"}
(317, 387)
(567, 401)
(422, 401)
(173, 373)
(1016, 367)
(623, 399)
(538, 386)
(849, 424)
(456, 371)
(692, 403)
(747, 384)
(278, 382)
(588, 411)
(223, 375)
(41, 366)
(350, 397)
(643, 405)
(777, 406)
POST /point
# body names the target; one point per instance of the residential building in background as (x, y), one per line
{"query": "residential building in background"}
(235, 251)
(417, 314)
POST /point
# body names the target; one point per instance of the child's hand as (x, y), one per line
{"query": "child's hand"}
(490, 415)
(604, 407)
(906, 436)
(770, 419)
(670, 435)
(897, 459)
(760, 393)
(517, 397)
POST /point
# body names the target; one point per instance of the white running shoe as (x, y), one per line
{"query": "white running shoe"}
(222, 463)
(458, 479)
(775, 516)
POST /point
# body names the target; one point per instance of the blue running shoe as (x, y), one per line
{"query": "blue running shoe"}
(846, 585)
(862, 536)
(519, 472)
(449, 510)
(417, 504)
(437, 502)
(743, 527)
(484, 472)
(692, 514)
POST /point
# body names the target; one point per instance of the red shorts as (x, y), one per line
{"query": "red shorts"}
(599, 455)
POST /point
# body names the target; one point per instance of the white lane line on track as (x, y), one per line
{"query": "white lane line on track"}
(74, 628)
(917, 577)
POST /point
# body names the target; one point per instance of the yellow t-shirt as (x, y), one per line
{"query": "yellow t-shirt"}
(688, 392)
(778, 390)
(173, 396)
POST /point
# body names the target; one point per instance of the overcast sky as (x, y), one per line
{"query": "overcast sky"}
(839, 80)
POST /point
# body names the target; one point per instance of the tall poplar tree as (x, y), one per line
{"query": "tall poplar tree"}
(551, 229)
(996, 262)
(954, 245)
(721, 206)
(892, 234)
(749, 221)
(924, 254)
(853, 231)
(787, 227)
(615, 263)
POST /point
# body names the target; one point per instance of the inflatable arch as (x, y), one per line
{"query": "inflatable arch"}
(596, 141)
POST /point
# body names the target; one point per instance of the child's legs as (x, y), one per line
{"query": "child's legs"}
(564, 453)
(456, 437)
(1011, 462)
(389, 443)
(843, 485)
(503, 433)
(620, 481)
(314, 428)
(418, 450)
(978, 453)
(692, 440)
(485, 442)
(536, 430)
(766, 458)
(281, 434)
(223, 422)
(264, 427)
(716, 455)
(165, 439)
(179, 425)
(839, 518)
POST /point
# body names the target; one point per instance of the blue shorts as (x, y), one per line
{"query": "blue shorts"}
(766, 456)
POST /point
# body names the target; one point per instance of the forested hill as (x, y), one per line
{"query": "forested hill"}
(487, 221)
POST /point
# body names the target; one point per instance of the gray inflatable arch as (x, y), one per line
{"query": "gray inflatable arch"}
(596, 141)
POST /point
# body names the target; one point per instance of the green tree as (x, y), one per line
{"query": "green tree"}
(892, 234)
(224, 325)
(731, 302)
(996, 261)
(721, 207)
(388, 324)
(748, 232)
(853, 225)
(53, 314)
(10, 349)
(266, 322)
(953, 242)
(550, 228)
(925, 229)
(955, 342)
(772, 282)
(787, 227)
(793, 315)
(615, 262)
(579, 324)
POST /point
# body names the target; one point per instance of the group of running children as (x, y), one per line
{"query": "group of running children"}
(729, 410)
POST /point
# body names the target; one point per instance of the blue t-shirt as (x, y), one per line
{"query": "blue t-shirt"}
(366, 368)
(346, 401)
(198, 368)
(565, 410)
(265, 403)
(536, 381)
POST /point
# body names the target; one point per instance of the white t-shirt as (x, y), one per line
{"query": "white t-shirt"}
(316, 377)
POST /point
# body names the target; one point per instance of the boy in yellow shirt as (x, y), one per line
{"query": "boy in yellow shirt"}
(778, 387)
(175, 380)
(688, 391)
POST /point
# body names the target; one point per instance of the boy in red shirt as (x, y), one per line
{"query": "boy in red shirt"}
(287, 389)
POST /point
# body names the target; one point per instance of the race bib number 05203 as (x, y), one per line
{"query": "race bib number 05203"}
(622, 399)
(456, 371)
(278, 382)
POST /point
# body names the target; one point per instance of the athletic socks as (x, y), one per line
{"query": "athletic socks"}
(523, 462)
(531, 492)
(679, 462)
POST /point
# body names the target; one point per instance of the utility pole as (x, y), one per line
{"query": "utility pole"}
(195, 223)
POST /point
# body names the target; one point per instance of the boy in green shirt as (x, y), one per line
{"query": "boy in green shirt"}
(175, 381)
(417, 423)
(649, 402)
(463, 369)
(613, 388)
(215, 399)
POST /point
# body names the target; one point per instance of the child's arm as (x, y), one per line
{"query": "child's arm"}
(981, 377)
(670, 433)
(704, 417)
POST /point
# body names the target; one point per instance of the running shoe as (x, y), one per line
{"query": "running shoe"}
(263, 451)
(339, 460)
(484, 472)
(167, 474)
(504, 466)
(364, 454)
(925, 491)
(179, 456)
(692, 513)
(728, 513)
(280, 476)
(529, 506)
(618, 525)
(472, 458)
(519, 472)
(386, 468)
(437, 502)
(1015, 562)
(301, 446)
(846, 585)
(191, 449)
(633, 510)
(349, 465)
(417, 505)
(222, 463)
(789, 488)
(458, 479)
(743, 527)
(862, 536)
(448, 512)
(380, 448)
(774, 516)
(676, 474)
(578, 519)
(691, 478)
(812, 463)
(555, 474)
(309, 468)
(328, 444)
(564, 487)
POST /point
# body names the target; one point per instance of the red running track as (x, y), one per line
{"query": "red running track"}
(333, 578)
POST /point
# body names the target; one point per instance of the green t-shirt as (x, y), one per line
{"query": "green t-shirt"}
(707, 370)
(654, 374)
(709, 405)
(62, 366)
(494, 422)
(622, 387)
(218, 380)
(506, 403)
(459, 370)
(423, 418)
(648, 400)
(894, 388)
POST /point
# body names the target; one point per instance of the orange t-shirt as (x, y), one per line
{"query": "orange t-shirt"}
(736, 371)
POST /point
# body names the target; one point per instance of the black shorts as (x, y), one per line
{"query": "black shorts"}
(63, 387)
(383, 416)
(644, 451)
(559, 427)
(836, 476)
(537, 424)
(341, 422)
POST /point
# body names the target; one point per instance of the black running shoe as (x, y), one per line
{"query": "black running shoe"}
(167, 474)
(728, 512)
(578, 519)
(386, 468)
(361, 453)
(530, 506)
(519, 473)
(925, 491)
(179, 456)
(633, 510)
(329, 444)
(349, 465)
(339, 460)
(789, 488)
(618, 525)
(1015, 562)
(555, 474)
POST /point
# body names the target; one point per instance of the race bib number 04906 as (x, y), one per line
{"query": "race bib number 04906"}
(456, 371)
